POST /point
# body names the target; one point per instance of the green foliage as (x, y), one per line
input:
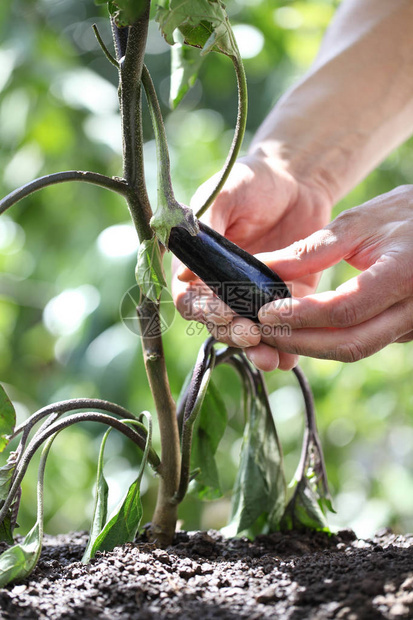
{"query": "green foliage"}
(259, 489)
(19, 560)
(203, 23)
(365, 410)
(209, 430)
(123, 526)
(7, 418)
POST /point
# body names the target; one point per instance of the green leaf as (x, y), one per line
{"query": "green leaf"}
(310, 498)
(185, 64)
(259, 491)
(6, 476)
(149, 271)
(304, 510)
(124, 12)
(209, 429)
(7, 419)
(203, 23)
(101, 504)
(18, 561)
(124, 525)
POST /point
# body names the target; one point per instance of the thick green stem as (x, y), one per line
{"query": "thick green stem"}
(164, 518)
(238, 135)
(114, 184)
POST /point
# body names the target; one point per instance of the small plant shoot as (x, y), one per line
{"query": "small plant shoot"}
(191, 431)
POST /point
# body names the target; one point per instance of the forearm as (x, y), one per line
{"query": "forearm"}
(356, 103)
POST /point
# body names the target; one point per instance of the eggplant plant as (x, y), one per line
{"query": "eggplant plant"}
(190, 430)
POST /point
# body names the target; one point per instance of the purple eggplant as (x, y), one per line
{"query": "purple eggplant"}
(242, 281)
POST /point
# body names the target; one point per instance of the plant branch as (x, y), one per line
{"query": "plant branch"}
(130, 73)
(165, 190)
(238, 135)
(115, 185)
(37, 441)
(103, 47)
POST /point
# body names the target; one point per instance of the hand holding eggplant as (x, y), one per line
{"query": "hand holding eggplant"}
(367, 312)
(261, 208)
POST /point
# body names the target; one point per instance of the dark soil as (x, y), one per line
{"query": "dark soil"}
(202, 576)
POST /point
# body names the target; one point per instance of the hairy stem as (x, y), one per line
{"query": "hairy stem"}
(114, 184)
(130, 73)
(238, 135)
(165, 190)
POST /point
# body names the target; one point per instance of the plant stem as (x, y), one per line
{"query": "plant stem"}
(164, 518)
(238, 135)
(165, 190)
(114, 184)
(130, 73)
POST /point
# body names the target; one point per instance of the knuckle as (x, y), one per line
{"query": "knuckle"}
(343, 314)
(350, 352)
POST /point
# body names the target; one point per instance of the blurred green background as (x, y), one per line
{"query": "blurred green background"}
(67, 256)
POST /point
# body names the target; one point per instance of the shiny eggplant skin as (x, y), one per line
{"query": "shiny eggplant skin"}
(242, 281)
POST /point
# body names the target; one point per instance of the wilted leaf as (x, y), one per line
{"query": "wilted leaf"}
(259, 491)
(124, 525)
(209, 429)
(101, 504)
(7, 419)
(310, 497)
(149, 271)
(203, 23)
(18, 561)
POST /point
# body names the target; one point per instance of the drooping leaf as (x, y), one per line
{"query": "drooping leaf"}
(149, 271)
(18, 561)
(123, 526)
(208, 432)
(259, 491)
(101, 503)
(125, 12)
(310, 498)
(203, 23)
(6, 475)
(7, 419)
(185, 64)
(9, 522)
(309, 494)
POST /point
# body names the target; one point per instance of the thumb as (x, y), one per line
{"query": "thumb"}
(315, 253)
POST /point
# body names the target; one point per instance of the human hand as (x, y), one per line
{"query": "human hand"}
(261, 208)
(367, 312)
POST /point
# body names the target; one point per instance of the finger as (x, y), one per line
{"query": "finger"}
(359, 299)
(240, 332)
(263, 357)
(319, 251)
(352, 343)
